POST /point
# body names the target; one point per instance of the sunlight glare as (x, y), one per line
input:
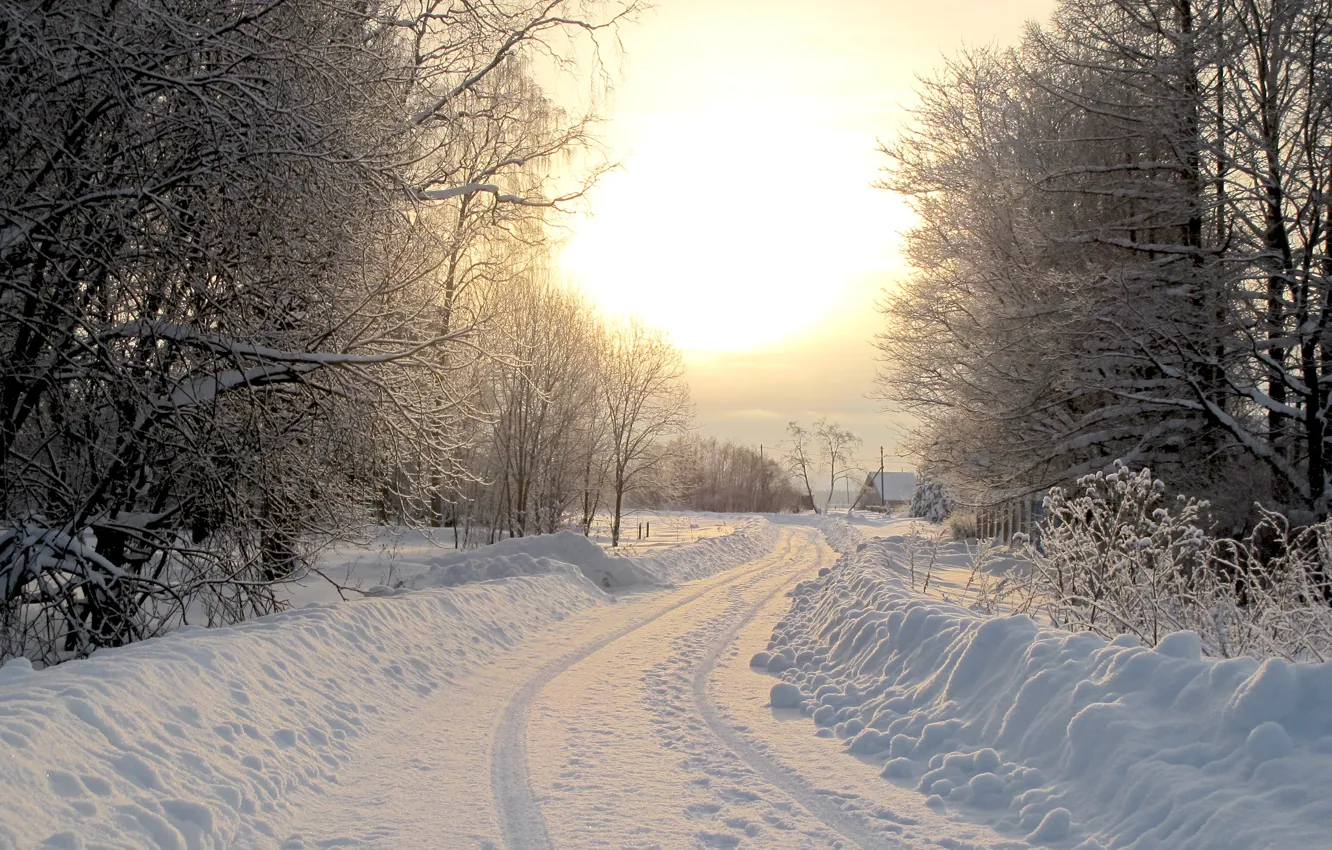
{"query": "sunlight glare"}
(733, 231)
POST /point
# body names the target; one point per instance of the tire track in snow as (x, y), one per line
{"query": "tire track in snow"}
(522, 823)
(770, 772)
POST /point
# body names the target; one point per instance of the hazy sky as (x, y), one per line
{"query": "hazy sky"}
(743, 221)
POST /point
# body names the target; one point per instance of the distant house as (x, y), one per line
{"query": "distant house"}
(892, 491)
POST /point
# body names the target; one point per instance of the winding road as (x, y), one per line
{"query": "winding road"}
(637, 724)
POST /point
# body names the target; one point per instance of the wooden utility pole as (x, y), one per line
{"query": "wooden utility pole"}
(883, 493)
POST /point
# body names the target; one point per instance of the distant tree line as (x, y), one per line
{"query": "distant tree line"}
(1125, 252)
(707, 474)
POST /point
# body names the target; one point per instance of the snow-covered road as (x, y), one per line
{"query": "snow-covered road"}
(627, 725)
(504, 699)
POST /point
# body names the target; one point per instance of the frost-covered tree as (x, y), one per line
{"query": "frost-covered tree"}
(835, 446)
(226, 309)
(930, 501)
(1122, 254)
(801, 460)
(545, 406)
(645, 401)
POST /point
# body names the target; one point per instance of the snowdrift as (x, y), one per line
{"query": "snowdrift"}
(201, 737)
(436, 567)
(535, 556)
(1062, 739)
(752, 538)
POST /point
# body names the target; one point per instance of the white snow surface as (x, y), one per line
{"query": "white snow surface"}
(498, 698)
(567, 550)
(1051, 738)
(200, 738)
(410, 559)
(197, 739)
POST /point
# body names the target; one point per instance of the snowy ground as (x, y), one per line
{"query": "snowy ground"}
(505, 698)
(1049, 738)
(935, 564)
(396, 556)
(661, 529)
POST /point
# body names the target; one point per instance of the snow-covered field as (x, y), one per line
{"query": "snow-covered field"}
(542, 693)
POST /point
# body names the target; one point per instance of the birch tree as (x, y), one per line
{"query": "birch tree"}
(645, 401)
(835, 447)
(801, 461)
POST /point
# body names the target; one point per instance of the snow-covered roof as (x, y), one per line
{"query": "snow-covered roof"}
(895, 487)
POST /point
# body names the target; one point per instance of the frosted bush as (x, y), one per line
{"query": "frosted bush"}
(930, 502)
(1118, 557)
(963, 526)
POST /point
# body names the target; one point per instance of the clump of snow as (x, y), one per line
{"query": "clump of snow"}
(785, 695)
(1055, 737)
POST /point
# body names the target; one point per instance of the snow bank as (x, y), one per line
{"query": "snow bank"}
(572, 553)
(1058, 738)
(535, 556)
(200, 738)
(752, 538)
(421, 563)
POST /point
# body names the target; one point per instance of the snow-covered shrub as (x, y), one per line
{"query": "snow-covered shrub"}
(920, 551)
(930, 502)
(1117, 557)
(70, 592)
(1270, 594)
(63, 597)
(963, 526)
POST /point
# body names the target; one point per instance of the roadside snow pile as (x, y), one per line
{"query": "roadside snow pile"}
(560, 552)
(204, 737)
(427, 564)
(752, 538)
(1061, 738)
